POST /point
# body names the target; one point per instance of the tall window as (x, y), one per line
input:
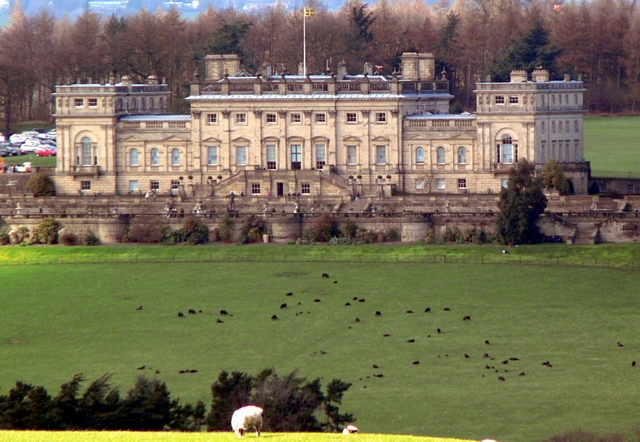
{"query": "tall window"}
(440, 183)
(241, 155)
(86, 154)
(321, 156)
(255, 188)
(462, 155)
(155, 157)
(296, 157)
(175, 157)
(381, 154)
(212, 155)
(420, 155)
(272, 163)
(134, 185)
(507, 152)
(352, 155)
(133, 157)
(440, 157)
(462, 183)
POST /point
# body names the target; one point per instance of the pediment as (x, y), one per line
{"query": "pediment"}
(212, 140)
(241, 140)
(271, 140)
(418, 137)
(320, 138)
(380, 139)
(295, 138)
(461, 136)
(175, 139)
(132, 137)
(352, 139)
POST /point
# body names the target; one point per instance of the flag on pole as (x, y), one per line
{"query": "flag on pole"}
(308, 12)
(557, 8)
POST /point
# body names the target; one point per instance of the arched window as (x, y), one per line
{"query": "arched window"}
(155, 157)
(420, 155)
(86, 156)
(440, 155)
(133, 157)
(462, 155)
(507, 151)
(175, 157)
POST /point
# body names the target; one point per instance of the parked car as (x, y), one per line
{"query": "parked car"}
(9, 151)
(45, 152)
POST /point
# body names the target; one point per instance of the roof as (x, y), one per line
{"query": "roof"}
(156, 118)
(430, 116)
(311, 97)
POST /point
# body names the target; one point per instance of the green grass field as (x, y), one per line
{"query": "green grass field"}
(58, 320)
(612, 144)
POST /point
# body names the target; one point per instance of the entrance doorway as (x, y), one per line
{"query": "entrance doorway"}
(280, 189)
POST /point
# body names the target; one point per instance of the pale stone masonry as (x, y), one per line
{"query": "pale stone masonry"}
(275, 134)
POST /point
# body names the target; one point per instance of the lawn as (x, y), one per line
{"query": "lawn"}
(612, 145)
(58, 320)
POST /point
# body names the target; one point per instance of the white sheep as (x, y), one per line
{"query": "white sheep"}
(245, 418)
(350, 429)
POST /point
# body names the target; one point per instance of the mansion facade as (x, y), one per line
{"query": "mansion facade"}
(277, 134)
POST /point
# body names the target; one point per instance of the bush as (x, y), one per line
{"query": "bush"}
(41, 185)
(325, 228)
(350, 229)
(225, 229)
(23, 234)
(252, 230)
(46, 232)
(69, 239)
(91, 239)
(431, 236)
(391, 235)
(5, 238)
(151, 232)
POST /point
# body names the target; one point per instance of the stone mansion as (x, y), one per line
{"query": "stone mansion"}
(276, 134)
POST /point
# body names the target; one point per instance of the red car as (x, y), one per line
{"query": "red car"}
(46, 152)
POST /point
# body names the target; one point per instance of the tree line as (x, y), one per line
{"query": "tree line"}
(599, 40)
(291, 404)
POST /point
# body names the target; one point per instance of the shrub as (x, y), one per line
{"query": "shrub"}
(5, 238)
(91, 239)
(46, 232)
(225, 228)
(391, 235)
(431, 236)
(452, 235)
(252, 230)
(150, 232)
(22, 234)
(325, 228)
(193, 232)
(41, 185)
(69, 239)
(350, 229)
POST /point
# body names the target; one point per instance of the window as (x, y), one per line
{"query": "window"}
(462, 155)
(306, 188)
(543, 127)
(553, 99)
(212, 118)
(85, 155)
(566, 126)
(271, 118)
(241, 118)
(499, 99)
(440, 182)
(542, 100)
(575, 98)
(321, 118)
(93, 102)
(352, 155)
(175, 157)
(212, 155)
(575, 126)
(381, 154)
(134, 186)
(440, 158)
(175, 184)
(85, 185)
(630, 188)
(255, 188)
(78, 102)
(504, 183)
(321, 156)
(420, 155)
(271, 157)
(462, 183)
(296, 118)
(381, 117)
(513, 99)
(154, 185)
(296, 157)
(155, 157)
(241, 155)
(507, 152)
(133, 157)
(553, 127)
(352, 117)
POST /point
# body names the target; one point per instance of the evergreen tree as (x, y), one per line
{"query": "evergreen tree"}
(553, 177)
(230, 392)
(335, 392)
(521, 204)
(147, 407)
(531, 51)
(66, 403)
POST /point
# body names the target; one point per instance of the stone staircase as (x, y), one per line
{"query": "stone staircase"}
(585, 233)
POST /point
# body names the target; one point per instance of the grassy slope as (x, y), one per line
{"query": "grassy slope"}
(28, 436)
(83, 318)
(611, 144)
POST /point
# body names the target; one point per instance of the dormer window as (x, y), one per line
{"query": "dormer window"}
(78, 102)
(499, 99)
(93, 102)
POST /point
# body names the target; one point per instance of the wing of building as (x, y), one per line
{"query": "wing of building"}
(276, 134)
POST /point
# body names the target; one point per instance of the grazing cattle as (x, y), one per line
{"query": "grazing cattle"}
(274, 317)
(375, 366)
(487, 342)
(361, 300)
(505, 361)
(142, 367)
(547, 364)
(501, 378)
(316, 300)
(246, 418)
(325, 275)
(466, 356)
(467, 318)
(486, 355)
(193, 371)
(378, 313)
(347, 304)
(446, 309)
(335, 282)
(620, 344)
(357, 319)
(322, 352)
(139, 308)
(192, 311)
(416, 362)
(290, 294)
(350, 429)
(386, 335)
(283, 305)
(427, 310)
(224, 312)
(522, 373)
(633, 364)
(219, 321)
(182, 371)
(410, 311)
(411, 340)
(380, 375)
(157, 371)
(514, 359)
(180, 314)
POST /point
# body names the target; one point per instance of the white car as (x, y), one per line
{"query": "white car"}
(17, 138)
(31, 145)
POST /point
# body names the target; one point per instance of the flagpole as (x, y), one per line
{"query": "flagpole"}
(304, 41)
